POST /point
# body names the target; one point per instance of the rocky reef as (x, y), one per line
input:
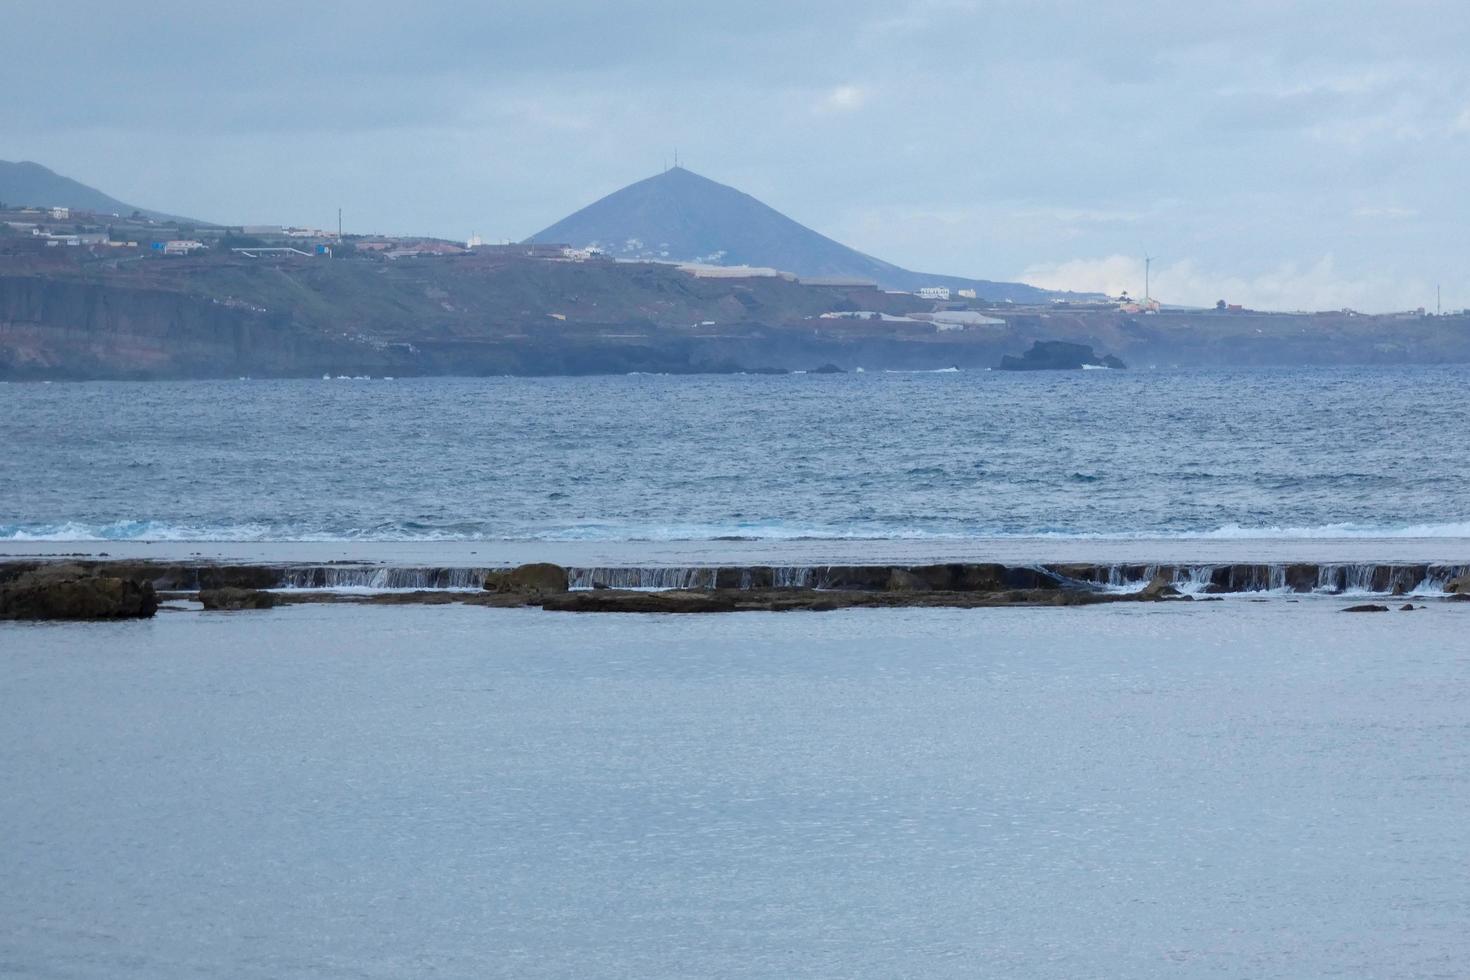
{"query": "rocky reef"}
(108, 588)
(230, 598)
(1058, 355)
(66, 591)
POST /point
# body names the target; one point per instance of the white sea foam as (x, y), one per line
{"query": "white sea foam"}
(160, 530)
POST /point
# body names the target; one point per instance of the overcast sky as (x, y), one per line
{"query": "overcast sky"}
(1285, 155)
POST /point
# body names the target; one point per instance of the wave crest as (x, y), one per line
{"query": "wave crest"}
(613, 531)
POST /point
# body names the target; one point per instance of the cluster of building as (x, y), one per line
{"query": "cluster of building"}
(943, 293)
(35, 229)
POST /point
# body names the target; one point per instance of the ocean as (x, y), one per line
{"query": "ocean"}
(1229, 789)
(1256, 786)
(941, 457)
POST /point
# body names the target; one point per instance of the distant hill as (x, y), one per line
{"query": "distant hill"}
(683, 217)
(27, 184)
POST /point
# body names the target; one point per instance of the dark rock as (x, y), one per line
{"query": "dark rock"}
(614, 600)
(229, 598)
(903, 580)
(960, 577)
(70, 592)
(864, 577)
(1407, 607)
(1017, 577)
(536, 579)
(1161, 586)
(827, 369)
(1079, 573)
(1458, 586)
(1057, 355)
(239, 577)
(738, 577)
(1301, 578)
(1367, 607)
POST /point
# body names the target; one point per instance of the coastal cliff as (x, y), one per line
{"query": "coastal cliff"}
(227, 316)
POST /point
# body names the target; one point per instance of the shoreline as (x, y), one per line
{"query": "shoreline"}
(728, 588)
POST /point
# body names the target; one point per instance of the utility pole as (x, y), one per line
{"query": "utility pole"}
(339, 224)
(1148, 261)
(1437, 310)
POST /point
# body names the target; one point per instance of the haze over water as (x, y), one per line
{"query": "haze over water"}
(1260, 453)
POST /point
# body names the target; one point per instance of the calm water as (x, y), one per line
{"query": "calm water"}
(1227, 790)
(972, 455)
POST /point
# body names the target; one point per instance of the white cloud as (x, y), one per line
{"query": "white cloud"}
(1385, 212)
(843, 98)
(1079, 216)
(1320, 285)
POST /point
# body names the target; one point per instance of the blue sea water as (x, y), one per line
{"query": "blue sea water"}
(1226, 789)
(1206, 789)
(1259, 453)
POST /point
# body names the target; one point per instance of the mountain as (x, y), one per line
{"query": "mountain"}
(680, 216)
(27, 184)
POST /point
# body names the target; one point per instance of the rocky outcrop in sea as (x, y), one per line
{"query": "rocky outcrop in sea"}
(1058, 355)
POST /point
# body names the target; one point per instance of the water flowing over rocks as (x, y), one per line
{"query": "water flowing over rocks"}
(722, 587)
(1161, 586)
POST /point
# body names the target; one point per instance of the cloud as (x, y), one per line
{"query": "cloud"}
(996, 137)
(1319, 285)
(1385, 212)
(843, 98)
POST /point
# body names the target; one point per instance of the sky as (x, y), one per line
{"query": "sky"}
(1283, 155)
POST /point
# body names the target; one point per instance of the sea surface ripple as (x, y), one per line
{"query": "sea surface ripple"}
(1187, 454)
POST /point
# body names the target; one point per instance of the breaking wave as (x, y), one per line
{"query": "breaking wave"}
(407, 531)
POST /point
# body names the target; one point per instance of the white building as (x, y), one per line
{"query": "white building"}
(61, 214)
(966, 294)
(933, 292)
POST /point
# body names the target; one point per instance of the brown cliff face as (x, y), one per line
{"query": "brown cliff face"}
(67, 328)
(215, 316)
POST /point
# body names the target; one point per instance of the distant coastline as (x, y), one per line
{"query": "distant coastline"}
(64, 316)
